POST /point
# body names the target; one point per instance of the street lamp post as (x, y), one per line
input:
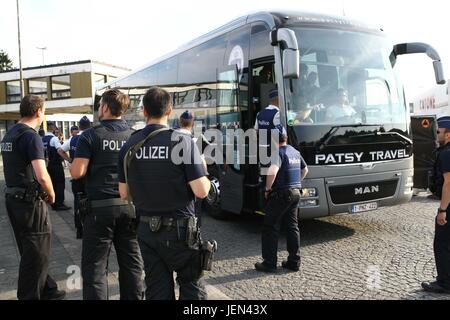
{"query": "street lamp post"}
(22, 89)
(43, 58)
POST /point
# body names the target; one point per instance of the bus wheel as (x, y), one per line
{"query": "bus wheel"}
(212, 202)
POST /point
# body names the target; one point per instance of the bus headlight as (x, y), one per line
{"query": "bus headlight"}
(309, 193)
(410, 182)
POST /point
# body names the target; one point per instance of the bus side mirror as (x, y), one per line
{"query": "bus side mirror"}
(418, 47)
(287, 40)
(439, 72)
(291, 64)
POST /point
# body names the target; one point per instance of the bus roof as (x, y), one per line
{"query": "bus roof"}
(273, 20)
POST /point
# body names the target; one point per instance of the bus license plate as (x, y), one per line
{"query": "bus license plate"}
(358, 208)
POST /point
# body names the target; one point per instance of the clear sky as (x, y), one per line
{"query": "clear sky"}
(132, 33)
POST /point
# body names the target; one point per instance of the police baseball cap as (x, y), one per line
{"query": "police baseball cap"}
(444, 123)
(74, 128)
(85, 121)
(273, 94)
(187, 116)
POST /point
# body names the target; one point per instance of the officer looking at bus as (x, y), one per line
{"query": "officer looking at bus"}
(437, 181)
(108, 220)
(186, 126)
(269, 118)
(56, 156)
(78, 186)
(442, 233)
(163, 190)
(283, 191)
(28, 188)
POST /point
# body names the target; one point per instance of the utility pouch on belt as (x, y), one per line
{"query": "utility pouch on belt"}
(207, 251)
(85, 208)
(193, 239)
(155, 223)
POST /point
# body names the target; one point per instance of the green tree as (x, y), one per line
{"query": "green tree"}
(5, 62)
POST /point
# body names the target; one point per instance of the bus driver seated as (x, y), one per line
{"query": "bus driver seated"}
(341, 110)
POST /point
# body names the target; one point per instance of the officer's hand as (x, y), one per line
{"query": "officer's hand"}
(50, 199)
(442, 219)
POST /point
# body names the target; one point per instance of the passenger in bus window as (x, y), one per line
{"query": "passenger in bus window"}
(311, 89)
(341, 110)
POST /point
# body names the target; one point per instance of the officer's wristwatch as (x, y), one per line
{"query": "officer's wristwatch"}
(441, 210)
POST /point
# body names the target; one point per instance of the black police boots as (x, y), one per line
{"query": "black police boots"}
(290, 266)
(262, 267)
(62, 207)
(54, 295)
(434, 287)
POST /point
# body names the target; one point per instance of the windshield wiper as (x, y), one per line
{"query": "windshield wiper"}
(332, 132)
(406, 140)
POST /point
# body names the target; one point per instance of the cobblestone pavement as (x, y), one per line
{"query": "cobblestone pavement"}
(378, 255)
(384, 254)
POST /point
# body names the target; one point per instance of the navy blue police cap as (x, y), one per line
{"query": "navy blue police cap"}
(187, 116)
(85, 120)
(273, 94)
(74, 128)
(444, 123)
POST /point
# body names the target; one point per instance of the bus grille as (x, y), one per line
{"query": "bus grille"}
(348, 194)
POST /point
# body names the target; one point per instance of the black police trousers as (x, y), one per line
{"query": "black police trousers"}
(281, 211)
(78, 187)
(442, 253)
(32, 229)
(104, 227)
(56, 172)
(165, 252)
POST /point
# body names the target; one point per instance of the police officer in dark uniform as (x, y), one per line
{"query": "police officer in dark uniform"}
(442, 235)
(269, 118)
(55, 167)
(163, 190)
(28, 188)
(78, 186)
(186, 126)
(283, 193)
(108, 221)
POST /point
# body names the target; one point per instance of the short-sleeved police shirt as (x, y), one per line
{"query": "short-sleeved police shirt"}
(291, 166)
(30, 144)
(30, 147)
(444, 160)
(192, 171)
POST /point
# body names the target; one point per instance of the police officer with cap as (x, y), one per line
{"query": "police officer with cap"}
(78, 186)
(186, 126)
(108, 221)
(28, 188)
(55, 167)
(283, 185)
(163, 190)
(269, 118)
(442, 233)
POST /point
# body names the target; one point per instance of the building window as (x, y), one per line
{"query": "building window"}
(38, 87)
(100, 79)
(61, 87)
(13, 92)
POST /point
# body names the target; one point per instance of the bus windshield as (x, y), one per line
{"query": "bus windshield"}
(345, 78)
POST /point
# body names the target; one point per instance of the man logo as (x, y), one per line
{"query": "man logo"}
(367, 190)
